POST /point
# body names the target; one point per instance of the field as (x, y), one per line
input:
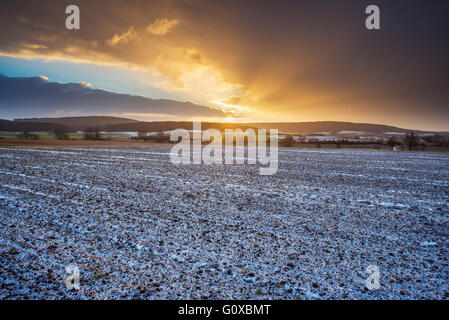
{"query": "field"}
(139, 227)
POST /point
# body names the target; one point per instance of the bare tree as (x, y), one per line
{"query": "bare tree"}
(92, 134)
(392, 142)
(161, 137)
(61, 134)
(289, 141)
(300, 139)
(27, 135)
(142, 135)
(88, 134)
(440, 140)
(410, 140)
(98, 134)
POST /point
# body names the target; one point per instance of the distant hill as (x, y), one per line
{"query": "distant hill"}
(36, 97)
(14, 126)
(158, 126)
(81, 123)
(302, 128)
(333, 127)
(116, 124)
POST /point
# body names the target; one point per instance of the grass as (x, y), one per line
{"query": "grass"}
(7, 135)
(75, 136)
(43, 135)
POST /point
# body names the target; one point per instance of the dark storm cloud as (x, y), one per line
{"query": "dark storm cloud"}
(35, 97)
(312, 60)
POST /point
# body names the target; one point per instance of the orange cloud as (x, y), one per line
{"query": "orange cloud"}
(124, 38)
(161, 27)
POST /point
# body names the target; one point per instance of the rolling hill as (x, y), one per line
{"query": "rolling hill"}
(81, 123)
(15, 126)
(331, 127)
(117, 124)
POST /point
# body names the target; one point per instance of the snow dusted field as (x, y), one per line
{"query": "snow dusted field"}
(139, 227)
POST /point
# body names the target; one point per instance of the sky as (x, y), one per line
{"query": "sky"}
(244, 61)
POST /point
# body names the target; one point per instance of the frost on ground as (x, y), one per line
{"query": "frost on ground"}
(139, 227)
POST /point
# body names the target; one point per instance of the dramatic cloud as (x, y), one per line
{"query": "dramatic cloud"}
(161, 26)
(266, 60)
(123, 38)
(36, 97)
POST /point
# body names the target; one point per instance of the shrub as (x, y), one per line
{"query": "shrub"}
(288, 141)
(61, 134)
(92, 134)
(28, 136)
